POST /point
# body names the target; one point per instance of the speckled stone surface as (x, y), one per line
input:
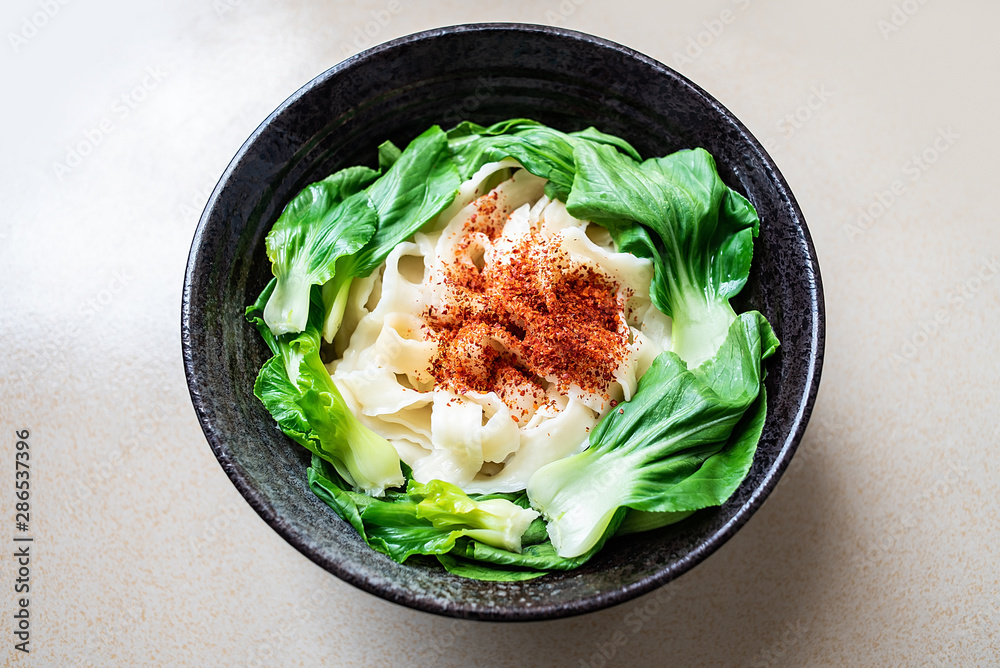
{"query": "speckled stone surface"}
(877, 547)
(567, 80)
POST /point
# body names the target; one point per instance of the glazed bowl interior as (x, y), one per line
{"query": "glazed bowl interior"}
(483, 73)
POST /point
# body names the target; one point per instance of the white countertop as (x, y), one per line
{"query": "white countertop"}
(878, 547)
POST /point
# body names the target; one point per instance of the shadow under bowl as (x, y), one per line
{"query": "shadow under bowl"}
(485, 73)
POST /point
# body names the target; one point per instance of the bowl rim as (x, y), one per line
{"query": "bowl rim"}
(192, 313)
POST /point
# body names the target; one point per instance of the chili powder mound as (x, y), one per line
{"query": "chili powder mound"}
(507, 326)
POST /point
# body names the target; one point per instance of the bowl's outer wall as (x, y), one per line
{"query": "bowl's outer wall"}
(484, 73)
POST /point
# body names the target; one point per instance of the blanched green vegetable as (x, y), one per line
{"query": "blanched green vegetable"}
(541, 150)
(421, 181)
(698, 232)
(684, 442)
(344, 226)
(297, 390)
(488, 537)
(426, 519)
(324, 222)
(679, 445)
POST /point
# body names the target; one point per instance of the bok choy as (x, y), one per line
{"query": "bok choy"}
(684, 442)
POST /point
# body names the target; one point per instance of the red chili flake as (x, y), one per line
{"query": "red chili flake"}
(529, 317)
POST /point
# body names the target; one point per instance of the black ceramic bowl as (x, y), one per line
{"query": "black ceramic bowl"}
(485, 73)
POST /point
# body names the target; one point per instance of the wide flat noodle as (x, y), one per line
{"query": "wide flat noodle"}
(476, 440)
